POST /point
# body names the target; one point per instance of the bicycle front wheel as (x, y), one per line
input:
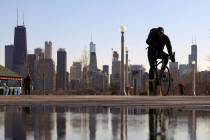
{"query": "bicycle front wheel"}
(164, 78)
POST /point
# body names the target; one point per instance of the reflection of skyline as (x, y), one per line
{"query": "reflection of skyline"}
(61, 123)
(14, 125)
(115, 123)
(42, 124)
(92, 123)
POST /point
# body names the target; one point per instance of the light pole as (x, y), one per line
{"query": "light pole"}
(126, 68)
(194, 62)
(122, 74)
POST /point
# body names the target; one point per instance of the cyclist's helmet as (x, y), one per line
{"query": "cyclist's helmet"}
(160, 29)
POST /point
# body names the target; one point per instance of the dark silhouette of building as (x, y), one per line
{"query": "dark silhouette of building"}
(93, 59)
(9, 49)
(20, 45)
(61, 70)
(193, 56)
(20, 50)
(115, 76)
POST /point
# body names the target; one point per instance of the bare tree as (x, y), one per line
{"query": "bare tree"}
(84, 58)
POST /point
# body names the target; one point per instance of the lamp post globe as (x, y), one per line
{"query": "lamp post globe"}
(122, 28)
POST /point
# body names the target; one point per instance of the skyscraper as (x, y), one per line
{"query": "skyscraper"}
(20, 50)
(61, 69)
(136, 77)
(193, 57)
(9, 56)
(115, 76)
(44, 75)
(39, 53)
(75, 75)
(20, 45)
(194, 54)
(93, 59)
(48, 50)
(106, 69)
(75, 71)
(106, 76)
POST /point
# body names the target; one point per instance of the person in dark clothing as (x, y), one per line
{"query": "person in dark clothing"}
(181, 89)
(27, 84)
(157, 40)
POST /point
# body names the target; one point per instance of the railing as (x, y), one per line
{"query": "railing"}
(10, 91)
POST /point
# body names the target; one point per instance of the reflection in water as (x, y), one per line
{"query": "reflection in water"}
(192, 125)
(61, 123)
(123, 132)
(102, 123)
(92, 124)
(152, 124)
(115, 122)
(14, 124)
(42, 123)
(161, 124)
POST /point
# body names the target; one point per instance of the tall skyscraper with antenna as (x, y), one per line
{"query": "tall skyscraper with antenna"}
(20, 49)
(193, 56)
(93, 58)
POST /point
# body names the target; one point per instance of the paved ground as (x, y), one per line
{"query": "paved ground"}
(144, 101)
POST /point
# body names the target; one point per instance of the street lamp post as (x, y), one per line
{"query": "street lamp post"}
(193, 62)
(122, 74)
(126, 68)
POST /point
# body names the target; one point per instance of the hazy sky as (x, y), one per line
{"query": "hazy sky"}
(69, 24)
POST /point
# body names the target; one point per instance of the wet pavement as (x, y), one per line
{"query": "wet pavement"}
(47, 122)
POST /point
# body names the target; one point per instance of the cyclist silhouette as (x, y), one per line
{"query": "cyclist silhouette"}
(157, 41)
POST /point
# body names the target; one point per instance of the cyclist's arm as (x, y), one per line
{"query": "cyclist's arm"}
(150, 38)
(168, 45)
(148, 41)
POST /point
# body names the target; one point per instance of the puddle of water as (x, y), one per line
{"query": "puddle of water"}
(102, 123)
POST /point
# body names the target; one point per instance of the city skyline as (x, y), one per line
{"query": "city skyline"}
(71, 27)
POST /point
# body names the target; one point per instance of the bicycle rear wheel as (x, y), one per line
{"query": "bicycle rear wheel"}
(165, 82)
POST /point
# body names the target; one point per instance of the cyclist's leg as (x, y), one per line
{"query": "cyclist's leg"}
(152, 58)
(164, 56)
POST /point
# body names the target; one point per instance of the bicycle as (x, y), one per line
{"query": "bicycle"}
(163, 81)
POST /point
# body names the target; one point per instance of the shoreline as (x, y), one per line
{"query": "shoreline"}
(112, 101)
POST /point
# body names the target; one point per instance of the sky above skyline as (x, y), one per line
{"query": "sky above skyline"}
(70, 23)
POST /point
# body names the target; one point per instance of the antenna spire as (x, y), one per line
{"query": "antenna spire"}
(23, 19)
(195, 41)
(91, 37)
(17, 16)
(192, 40)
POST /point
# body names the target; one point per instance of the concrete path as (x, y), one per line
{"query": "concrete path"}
(143, 101)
